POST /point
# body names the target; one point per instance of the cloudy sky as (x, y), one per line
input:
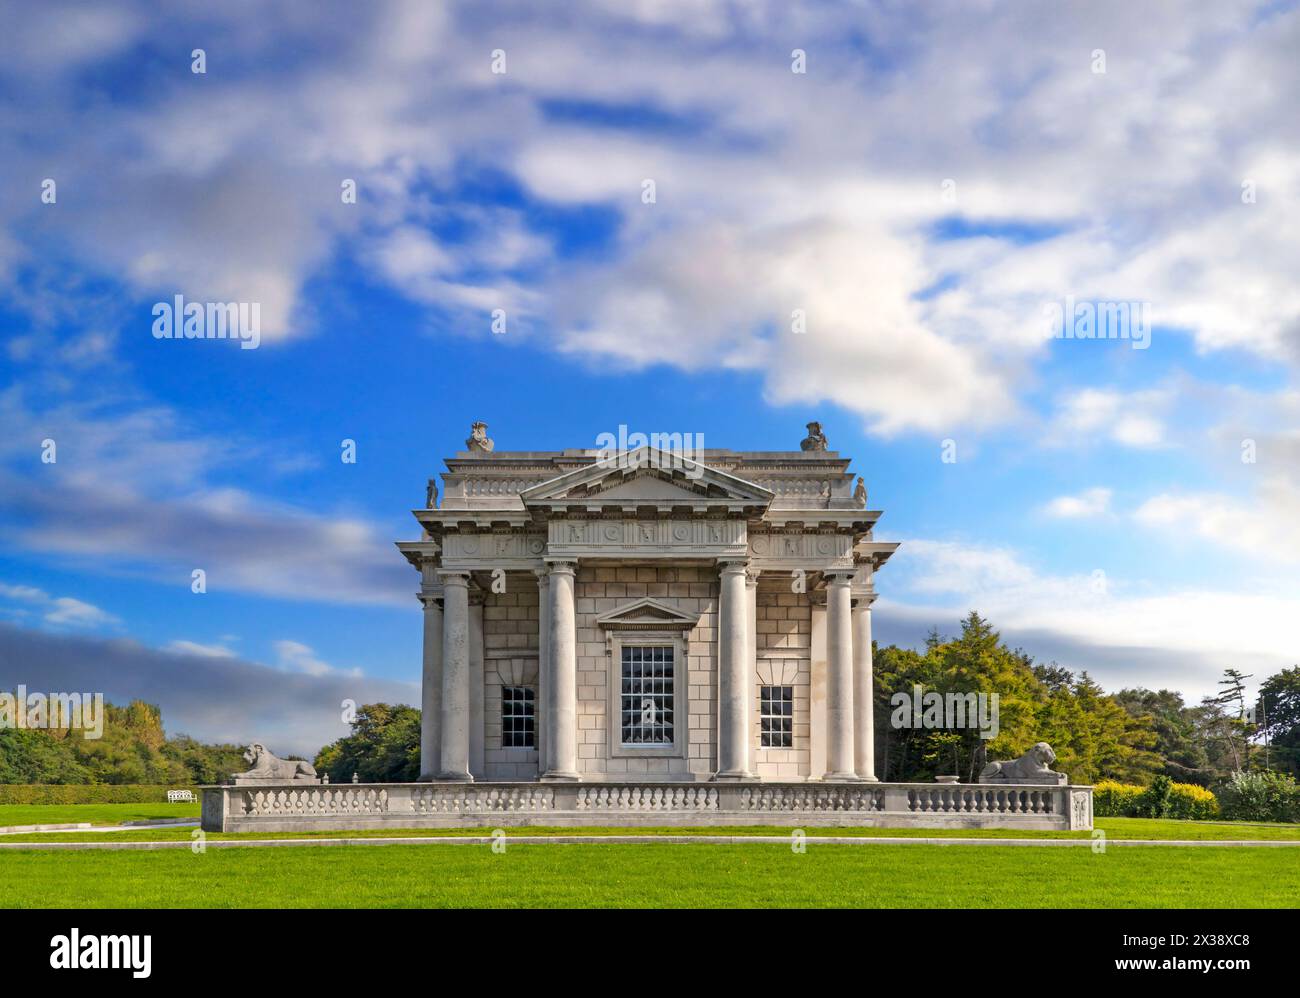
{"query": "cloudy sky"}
(924, 192)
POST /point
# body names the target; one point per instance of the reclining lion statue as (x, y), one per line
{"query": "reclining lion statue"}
(268, 768)
(1032, 767)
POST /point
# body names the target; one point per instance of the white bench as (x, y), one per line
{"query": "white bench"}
(173, 796)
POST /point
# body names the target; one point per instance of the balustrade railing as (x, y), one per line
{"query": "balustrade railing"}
(231, 808)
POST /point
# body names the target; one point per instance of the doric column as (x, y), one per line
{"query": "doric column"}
(733, 641)
(477, 722)
(839, 676)
(454, 761)
(544, 711)
(563, 762)
(431, 688)
(864, 735)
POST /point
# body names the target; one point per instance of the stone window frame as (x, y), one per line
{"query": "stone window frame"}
(786, 730)
(674, 639)
(531, 714)
(514, 667)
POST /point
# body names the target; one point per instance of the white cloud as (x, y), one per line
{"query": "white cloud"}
(1116, 628)
(1265, 525)
(196, 648)
(294, 656)
(1090, 502)
(56, 611)
(77, 613)
(1129, 418)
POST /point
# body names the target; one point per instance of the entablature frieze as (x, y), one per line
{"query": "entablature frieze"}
(625, 538)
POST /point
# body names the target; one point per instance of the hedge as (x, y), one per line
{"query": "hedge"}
(1163, 799)
(87, 793)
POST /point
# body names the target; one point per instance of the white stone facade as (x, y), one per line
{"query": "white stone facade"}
(653, 615)
(607, 637)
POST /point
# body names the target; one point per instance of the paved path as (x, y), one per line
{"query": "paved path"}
(512, 840)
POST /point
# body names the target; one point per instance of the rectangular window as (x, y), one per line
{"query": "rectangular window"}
(646, 695)
(776, 716)
(518, 717)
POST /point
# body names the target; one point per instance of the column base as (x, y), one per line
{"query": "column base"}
(426, 778)
(448, 776)
(741, 777)
(842, 778)
(558, 776)
(868, 779)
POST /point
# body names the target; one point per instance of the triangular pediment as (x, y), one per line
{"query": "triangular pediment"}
(647, 613)
(651, 475)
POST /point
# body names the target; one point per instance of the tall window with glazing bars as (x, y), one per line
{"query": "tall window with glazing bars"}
(646, 695)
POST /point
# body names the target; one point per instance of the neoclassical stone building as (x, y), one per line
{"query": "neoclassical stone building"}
(653, 635)
(647, 615)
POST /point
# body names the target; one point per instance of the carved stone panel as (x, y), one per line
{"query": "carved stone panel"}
(646, 538)
(493, 550)
(801, 549)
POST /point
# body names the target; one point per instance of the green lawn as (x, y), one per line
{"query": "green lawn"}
(96, 814)
(655, 875)
(1115, 828)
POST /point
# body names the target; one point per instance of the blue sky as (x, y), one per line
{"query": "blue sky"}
(936, 177)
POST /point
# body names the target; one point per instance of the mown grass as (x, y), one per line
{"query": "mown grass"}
(96, 814)
(655, 875)
(1115, 828)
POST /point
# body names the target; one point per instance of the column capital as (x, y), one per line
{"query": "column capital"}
(838, 576)
(751, 576)
(733, 565)
(454, 578)
(430, 601)
(561, 566)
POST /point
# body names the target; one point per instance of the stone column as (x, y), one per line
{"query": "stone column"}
(751, 660)
(839, 676)
(733, 641)
(454, 760)
(864, 734)
(563, 761)
(477, 722)
(543, 725)
(431, 689)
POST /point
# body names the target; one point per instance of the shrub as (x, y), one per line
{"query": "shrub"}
(86, 793)
(1193, 803)
(1153, 802)
(1265, 796)
(1163, 799)
(1114, 800)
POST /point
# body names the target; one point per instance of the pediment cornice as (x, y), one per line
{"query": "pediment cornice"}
(658, 477)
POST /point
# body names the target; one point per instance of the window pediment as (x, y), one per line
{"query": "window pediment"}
(647, 614)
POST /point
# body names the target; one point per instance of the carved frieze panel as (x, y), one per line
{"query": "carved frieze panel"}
(623, 538)
(801, 549)
(493, 550)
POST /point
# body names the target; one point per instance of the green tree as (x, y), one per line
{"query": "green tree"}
(35, 757)
(1277, 711)
(205, 763)
(1178, 737)
(1094, 737)
(384, 747)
